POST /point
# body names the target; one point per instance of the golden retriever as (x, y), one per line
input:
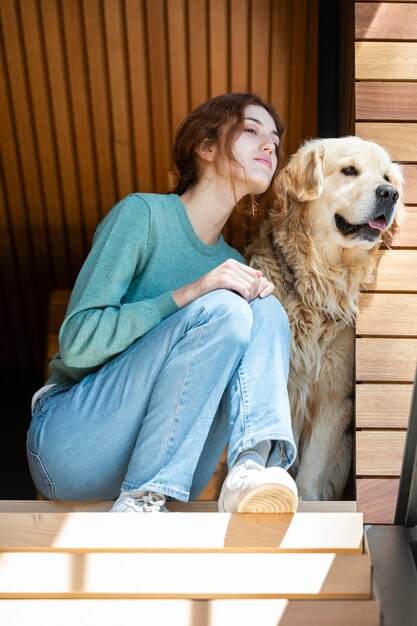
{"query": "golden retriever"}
(338, 199)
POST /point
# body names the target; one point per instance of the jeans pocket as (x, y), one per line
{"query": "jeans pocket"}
(40, 476)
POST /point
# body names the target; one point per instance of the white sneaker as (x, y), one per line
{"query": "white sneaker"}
(140, 502)
(251, 488)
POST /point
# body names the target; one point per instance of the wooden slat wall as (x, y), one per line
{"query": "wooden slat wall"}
(386, 348)
(91, 93)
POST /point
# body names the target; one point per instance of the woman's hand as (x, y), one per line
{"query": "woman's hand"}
(232, 275)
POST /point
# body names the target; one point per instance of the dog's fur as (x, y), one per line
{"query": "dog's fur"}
(318, 263)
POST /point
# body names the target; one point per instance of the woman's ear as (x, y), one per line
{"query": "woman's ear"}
(302, 177)
(207, 150)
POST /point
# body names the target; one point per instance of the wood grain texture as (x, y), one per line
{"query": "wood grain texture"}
(91, 95)
(385, 360)
(379, 453)
(397, 139)
(406, 236)
(398, 312)
(341, 533)
(383, 405)
(190, 612)
(140, 575)
(196, 506)
(386, 101)
(385, 21)
(410, 178)
(396, 271)
(385, 60)
(377, 499)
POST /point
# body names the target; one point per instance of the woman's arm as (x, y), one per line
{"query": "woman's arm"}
(98, 325)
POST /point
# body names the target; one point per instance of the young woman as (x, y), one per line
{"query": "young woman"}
(172, 347)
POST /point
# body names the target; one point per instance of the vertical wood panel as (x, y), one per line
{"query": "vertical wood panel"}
(178, 69)
(119, 95)
(56, 62)
(260, 47)
(47, 161)
(81, 112)
(159, 89)
(198, 51)
(92, 93)
(100, 102)
(218, 45)
(141, 108)
(239, 45)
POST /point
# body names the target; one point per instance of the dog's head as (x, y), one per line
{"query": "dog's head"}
(349, 190)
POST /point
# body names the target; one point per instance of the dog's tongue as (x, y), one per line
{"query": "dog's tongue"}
(379, 224)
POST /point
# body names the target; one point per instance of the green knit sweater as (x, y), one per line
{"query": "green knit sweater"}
(143, 250)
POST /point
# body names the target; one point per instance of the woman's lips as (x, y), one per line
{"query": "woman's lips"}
(265, 161)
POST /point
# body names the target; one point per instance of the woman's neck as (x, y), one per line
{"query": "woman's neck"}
(208, 209)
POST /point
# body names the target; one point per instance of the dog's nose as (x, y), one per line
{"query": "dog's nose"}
(388, 193)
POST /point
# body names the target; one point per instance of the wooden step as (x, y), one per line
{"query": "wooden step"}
(308, 555)
(181, 532)
(196, 506)
(184, 575)
(268, 612)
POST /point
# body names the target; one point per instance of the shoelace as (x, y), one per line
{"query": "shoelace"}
(149, 501)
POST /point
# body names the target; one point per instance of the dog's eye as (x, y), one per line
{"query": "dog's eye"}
(386, 177)
(349, 171)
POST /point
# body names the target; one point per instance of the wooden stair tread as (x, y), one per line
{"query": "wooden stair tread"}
(180, 532)
(196, 506)
(267, 612)
(179, 575)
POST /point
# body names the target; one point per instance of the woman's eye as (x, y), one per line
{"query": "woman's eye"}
(251, 130)
(349, 171)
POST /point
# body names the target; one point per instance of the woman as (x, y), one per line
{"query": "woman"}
(172, 347)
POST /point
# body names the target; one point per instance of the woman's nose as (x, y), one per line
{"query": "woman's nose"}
(268, 146)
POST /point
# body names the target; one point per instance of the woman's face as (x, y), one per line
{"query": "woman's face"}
(255, 149)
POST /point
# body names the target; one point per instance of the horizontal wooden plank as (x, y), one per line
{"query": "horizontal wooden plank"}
(190, 612)
(385, 21)
(302, 532)
(140, 575)
(385, 60)
(410, 179)
(398, 139)
(196, 506)
(379, 453)
(385, 360)
(383, 405)
(388, 314)
(386, 101)
(406, 236)
(396, 271)
(377, 499)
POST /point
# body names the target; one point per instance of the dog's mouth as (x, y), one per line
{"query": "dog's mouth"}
(368, 230)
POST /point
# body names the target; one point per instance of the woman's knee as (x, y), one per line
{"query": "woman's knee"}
(270, 311)
(231, 311)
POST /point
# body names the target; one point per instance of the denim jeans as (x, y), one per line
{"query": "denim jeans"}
(158, 416)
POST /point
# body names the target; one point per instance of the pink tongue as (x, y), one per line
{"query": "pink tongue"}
(378, 224)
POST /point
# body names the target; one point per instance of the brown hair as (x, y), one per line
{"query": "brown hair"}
(206, 123)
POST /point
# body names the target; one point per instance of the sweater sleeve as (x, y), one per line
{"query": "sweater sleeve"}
(98, 324)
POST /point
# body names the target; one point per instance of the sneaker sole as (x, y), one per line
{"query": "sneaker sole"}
(270, 498)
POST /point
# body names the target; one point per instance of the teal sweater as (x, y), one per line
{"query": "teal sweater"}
(143, 250)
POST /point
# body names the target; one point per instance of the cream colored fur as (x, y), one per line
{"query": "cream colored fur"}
(323, 271)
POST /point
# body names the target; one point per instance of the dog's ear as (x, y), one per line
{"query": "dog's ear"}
(396, 179)
(302, 177)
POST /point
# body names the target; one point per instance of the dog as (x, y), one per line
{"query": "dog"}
(337, 201)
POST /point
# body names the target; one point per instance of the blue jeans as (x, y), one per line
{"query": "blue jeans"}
(158, 416)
